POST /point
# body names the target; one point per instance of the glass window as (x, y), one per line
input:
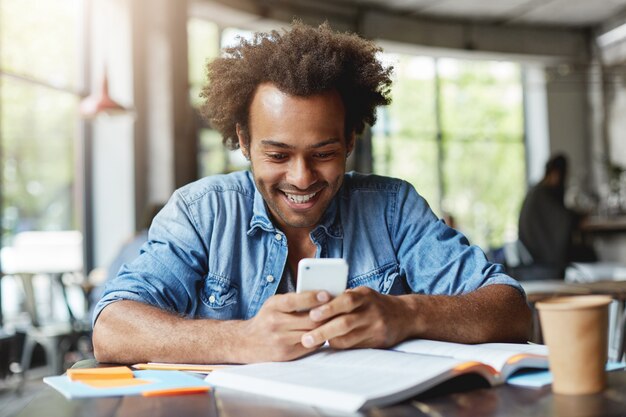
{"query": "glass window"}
(39, 40)
(203, 45)
(481, 98)
(38, 114)
(205, 40)
(405, 134)
(483, 147)
(475, 172)
(38, 129)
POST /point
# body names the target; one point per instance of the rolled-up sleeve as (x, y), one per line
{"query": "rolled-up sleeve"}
(435, 258)
(170, 265)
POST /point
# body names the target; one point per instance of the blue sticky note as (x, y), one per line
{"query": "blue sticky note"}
(159, 380)
(542, 378)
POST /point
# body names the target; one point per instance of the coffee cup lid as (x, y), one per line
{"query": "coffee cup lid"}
(574, 302)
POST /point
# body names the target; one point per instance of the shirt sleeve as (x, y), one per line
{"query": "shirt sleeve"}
(435, 258)
(169, 268)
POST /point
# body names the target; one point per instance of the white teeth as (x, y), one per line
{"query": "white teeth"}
(300, 199)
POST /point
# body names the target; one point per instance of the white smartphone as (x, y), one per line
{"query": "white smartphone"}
(329, 274)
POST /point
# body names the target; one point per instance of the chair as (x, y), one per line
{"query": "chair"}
(58, 256)
(8, 344)
(520, 265)
(620, 337)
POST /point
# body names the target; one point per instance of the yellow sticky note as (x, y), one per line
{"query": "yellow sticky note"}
(114, 372)
(115, 383)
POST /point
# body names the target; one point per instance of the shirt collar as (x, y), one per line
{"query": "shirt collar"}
(331, 219)
(260, 216)
(329, 224)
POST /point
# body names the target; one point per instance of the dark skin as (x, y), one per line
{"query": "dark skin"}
(297, 149)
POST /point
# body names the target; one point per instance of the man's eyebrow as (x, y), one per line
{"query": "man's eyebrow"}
(276, 144)
(324, 143)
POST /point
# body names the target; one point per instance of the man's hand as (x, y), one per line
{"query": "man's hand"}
(275, 333)
(360, 317)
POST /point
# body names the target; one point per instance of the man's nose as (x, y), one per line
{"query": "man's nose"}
(301, 174)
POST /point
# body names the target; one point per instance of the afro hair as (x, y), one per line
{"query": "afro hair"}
(301, 61)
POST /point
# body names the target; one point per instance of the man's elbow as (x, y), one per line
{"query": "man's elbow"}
(518, 323)
(103, 338)
(514, 318)
(99, 343)
(523, 324)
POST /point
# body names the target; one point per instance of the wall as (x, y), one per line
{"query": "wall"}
(165, 145)
(568, 113)
(110, 139)
(537, 141)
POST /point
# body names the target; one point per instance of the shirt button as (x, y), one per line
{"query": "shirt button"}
(278, 236)
(270, 278)
(212, 299)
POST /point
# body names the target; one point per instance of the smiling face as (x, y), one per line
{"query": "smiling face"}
(297, 152)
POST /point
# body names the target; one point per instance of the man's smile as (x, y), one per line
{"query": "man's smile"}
(301, 200)
(298, 198)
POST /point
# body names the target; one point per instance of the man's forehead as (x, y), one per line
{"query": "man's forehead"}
(272, 95)
(269, 95)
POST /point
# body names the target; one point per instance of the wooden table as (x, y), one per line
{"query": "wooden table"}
(455, 400)
(608, 236)
(604, 224)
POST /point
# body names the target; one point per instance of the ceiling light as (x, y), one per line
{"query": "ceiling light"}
(614, 35)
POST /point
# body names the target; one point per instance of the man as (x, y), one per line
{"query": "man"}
(547, 227)
(215, 283)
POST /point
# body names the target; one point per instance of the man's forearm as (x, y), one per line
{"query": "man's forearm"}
(131, 332)
(496, 313)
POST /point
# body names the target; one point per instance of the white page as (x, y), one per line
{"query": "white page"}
(342, 380)
(493, 354)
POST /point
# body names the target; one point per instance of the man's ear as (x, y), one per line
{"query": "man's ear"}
(243, 143)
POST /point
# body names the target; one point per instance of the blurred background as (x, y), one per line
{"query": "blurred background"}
(98, 123)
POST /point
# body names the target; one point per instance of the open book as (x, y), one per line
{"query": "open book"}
(352, 380)
(503, 358)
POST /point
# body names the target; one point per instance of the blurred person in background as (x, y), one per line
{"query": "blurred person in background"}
(547, 228)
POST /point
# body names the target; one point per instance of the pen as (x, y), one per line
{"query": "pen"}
(176, 391)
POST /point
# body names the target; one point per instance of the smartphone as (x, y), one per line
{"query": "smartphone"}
(329, 274)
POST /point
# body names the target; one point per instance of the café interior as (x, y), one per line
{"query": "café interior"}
(99, 124)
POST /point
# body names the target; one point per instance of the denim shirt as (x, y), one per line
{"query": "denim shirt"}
(213, 251)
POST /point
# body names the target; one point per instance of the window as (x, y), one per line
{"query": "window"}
(39, 81)
(205, 40)
(405, 134)
(483, 147)
(455, 131)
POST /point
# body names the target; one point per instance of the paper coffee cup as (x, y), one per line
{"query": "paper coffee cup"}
(579, 405)
(576, 332)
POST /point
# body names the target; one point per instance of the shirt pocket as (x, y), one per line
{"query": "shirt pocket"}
(383, 279)
(220, 298)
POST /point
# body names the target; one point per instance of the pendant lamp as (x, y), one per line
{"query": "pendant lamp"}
(101, 103)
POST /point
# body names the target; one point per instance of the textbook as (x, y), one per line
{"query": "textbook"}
(503, 358)
(353, 380)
